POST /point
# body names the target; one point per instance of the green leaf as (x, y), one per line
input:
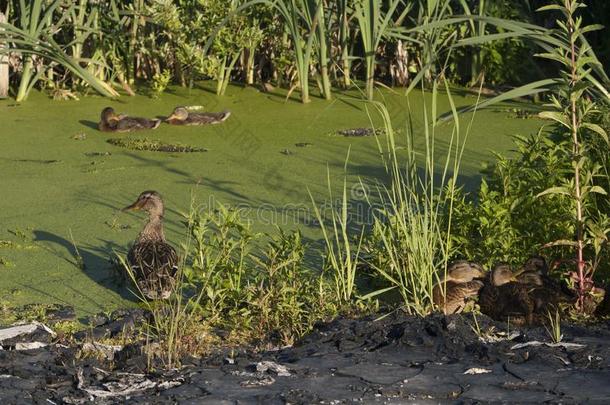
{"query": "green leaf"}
(598, 130)
(598, 190)
(555, 190)
(555, 116)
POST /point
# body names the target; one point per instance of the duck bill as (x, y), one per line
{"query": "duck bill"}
(171, 117)
(136, 206)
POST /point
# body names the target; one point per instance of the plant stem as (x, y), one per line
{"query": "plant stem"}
(576, 155)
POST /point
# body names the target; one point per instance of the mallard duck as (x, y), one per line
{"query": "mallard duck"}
(504, 297)
(459, 286)
(153, 261)
(113, 122)
(181, 116)
(546, 292)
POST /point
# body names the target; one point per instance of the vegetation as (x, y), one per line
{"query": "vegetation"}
(72, 46)
(550, 196)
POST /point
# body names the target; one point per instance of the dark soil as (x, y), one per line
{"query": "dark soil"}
(399, 359)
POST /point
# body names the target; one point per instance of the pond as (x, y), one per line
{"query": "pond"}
(63, 183)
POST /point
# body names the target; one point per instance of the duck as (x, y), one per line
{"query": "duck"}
(503, 296)
(458, 286)
(547, 293)
(110, 121)
(181, 116)
(152, 260)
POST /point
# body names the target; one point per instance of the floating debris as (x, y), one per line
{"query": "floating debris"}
(41, 161)
(152, 145)
(286, 152)
(8, 244)
(303, 144)
(80, 137)
(93, 154)
(359, 132)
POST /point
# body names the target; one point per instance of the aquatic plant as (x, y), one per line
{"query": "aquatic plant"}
(153, 145)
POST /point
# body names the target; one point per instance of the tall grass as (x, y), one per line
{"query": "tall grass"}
(341, 258)
(411, 237)
(375, 23)
(34, 36)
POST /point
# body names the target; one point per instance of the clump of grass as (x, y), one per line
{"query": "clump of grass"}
(554, 327)
(342, 255)
(144, 144)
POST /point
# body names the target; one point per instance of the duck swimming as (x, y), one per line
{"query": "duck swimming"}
(182, 116)
(110, 121)
(153, 261)
(459, 285)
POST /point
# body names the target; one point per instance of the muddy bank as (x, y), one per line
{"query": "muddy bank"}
(399, 359)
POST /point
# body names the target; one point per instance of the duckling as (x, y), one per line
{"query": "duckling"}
(153, 261)
(502, 297)
(181, 116)
(546, 292)
(459, 286)
(113, 122)
(533, 271)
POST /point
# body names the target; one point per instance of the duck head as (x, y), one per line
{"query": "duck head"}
(179, 114)
(463, 271)
(149, 201)
(502, 274)
(536, 264)
(108, 114)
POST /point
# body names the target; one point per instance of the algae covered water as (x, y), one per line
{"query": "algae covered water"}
(63, 183)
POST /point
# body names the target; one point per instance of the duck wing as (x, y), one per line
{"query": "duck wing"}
(508, 300)
(127, 124)
(456, 295)
(154, 265)
(207, 118)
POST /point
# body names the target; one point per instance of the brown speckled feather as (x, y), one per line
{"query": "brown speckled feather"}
(456, 295)
(154, 264)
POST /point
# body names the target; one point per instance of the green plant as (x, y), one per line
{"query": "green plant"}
(375, 23)
(554, 327)
(410, 242)
(341, 257)
(34, 37)
(506, 221)
(571, 108)
(160, 82)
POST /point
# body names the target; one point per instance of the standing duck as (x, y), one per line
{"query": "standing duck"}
(110, 121)
(504, 297)
(153, 261)
(459, 284)
(181, 116)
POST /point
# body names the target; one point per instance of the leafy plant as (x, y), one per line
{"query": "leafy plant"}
(571, 108)
(160, 83)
